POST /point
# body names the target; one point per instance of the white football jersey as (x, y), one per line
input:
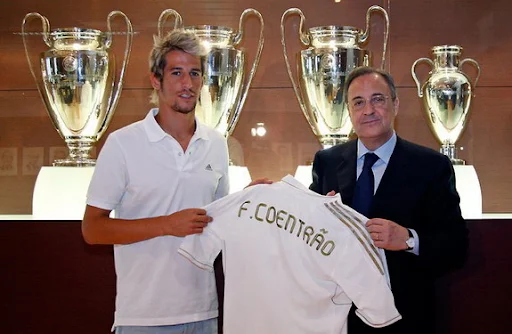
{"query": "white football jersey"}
(294, 262)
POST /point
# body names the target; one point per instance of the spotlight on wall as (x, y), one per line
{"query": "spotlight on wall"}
(259, 130)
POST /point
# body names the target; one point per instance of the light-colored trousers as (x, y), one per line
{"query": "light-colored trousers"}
(200, 327)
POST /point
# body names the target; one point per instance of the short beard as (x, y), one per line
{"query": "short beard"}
(176, 107)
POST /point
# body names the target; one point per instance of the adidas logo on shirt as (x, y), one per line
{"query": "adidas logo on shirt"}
(208, 167)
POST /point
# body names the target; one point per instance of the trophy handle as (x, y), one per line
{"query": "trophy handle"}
(117, 87)
(474, 62)
(414, 76)
(305, 40)
(366, 33)
(236, 40)
(178, 21)
(46, 39)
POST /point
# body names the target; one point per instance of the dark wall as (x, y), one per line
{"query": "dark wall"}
(480, 27)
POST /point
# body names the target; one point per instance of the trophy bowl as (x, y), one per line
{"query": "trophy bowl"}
(77, 83)
(332, 53)
(225, 84)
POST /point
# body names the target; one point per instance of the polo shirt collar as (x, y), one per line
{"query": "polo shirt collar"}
(155, 133)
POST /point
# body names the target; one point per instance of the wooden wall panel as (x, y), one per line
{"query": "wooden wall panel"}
(479, 27)
(26, 129)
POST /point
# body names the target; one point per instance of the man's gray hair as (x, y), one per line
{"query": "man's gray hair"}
(364, 70)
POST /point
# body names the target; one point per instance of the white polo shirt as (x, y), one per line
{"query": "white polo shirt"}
(294, 262)
(143, 172)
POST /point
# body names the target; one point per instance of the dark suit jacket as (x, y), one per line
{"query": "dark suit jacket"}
(417, 191)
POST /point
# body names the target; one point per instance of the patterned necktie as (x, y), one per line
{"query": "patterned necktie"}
(363, 193)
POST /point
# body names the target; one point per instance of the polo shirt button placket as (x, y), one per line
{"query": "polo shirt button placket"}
(180, 161)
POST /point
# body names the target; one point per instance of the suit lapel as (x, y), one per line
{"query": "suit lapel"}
(395, 175)
(346, 173)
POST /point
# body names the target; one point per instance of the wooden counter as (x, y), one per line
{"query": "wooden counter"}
(52, 282)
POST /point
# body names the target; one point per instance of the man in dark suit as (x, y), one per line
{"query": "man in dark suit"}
(414, 213)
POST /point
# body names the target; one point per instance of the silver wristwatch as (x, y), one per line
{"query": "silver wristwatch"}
(410, 242)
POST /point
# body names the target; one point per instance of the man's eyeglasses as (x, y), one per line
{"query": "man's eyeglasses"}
(377, 101)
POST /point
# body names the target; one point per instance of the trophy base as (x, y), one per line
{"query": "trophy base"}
(328, 141)
(60, 193)
(303, 175)
(450, 151)
(457, 162)
(74, 163)
(239, 178)
(468, 187)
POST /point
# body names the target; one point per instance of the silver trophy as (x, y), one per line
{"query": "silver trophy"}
(225, 85)
(447, 94)
(77, 83)
(332, 53)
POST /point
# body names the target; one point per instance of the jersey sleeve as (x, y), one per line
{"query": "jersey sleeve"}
(202, 249)
(362, 272)
(366, 286)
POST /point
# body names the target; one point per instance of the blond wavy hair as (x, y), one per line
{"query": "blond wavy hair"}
(177, 39)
